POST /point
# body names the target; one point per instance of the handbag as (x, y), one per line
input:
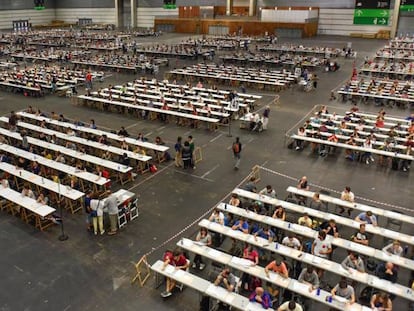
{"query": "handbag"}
(94, 213)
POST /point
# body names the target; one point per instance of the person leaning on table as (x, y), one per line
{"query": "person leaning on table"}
(342, 289)
(277, 266)
(261, 296)
(226, 279)
(180, 262)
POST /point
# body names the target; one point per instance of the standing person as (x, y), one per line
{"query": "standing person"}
(88, 211)
(186, 155)
(266, 114)
(88, 80)
(111, 204)
(178, 152)
(237, 148)
(97, 215)
(192, 148)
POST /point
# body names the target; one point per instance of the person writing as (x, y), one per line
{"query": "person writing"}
(259, 295)
(277, 266)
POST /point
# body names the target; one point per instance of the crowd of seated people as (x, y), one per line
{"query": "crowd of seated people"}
(267, 294)
(383, 91)
(292, 48)
(356, 129)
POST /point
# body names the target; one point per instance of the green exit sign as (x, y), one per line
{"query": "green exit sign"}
(39, 8)
(170, 6)
(407, 8)
(371, 17)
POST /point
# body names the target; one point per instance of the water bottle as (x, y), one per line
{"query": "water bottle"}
(276, 245)
(43, 181)
(405, 250)
(318, 291)
(225, 206)
(289, 225)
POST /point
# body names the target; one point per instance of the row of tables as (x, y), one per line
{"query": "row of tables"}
(310, 233)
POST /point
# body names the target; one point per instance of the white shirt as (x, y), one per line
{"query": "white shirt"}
(321, 246)
(220, 219)
(294, 243)
(347, 196)
(98, 206)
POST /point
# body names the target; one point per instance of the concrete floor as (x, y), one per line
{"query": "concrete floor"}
(38, 272)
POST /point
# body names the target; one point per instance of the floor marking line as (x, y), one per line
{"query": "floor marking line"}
(208, 172)
(217, 137)
(195, 176)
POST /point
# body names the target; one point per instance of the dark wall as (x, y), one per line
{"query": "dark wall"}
(23, 4)
(70, 4)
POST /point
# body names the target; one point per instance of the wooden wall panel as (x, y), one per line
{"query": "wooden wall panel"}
(188, 11)
(254, 28)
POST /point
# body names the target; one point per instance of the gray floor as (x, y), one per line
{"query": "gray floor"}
(38, 272)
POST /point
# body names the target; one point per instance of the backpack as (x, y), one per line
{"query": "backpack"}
(236, 148)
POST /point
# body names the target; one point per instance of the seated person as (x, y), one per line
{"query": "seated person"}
(277, 266)
(342, 289)
(353, 261)
(361, 236)
(387, 272)
(265, 233)
(381, 302)
(234, 200)
(179, 261)
(320, 246)
(290, 306)
(27, 192)
(329, 227)
(291, 241)
(305, 220)
(204, 238)
(241, 225)
(310, 277)
(217, 216)
(259, 295)
(394, 248)
(226, 279)
(367, 218)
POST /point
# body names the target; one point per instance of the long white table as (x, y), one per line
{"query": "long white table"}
(258, 271)
(81, 175)
(150, 109)
(73, 195)
(312, 234)
(30, 207)
(97, 132)
(78, 140)
(69, 152)
(310, 259)
(341, 220)
(201, 285)
(358, 206)
(358, 148)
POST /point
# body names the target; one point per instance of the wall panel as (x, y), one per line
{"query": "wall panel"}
(341, 22)
(146, 16)
(98, 15)
(34, 17)
(66, 4)
(23, 4)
